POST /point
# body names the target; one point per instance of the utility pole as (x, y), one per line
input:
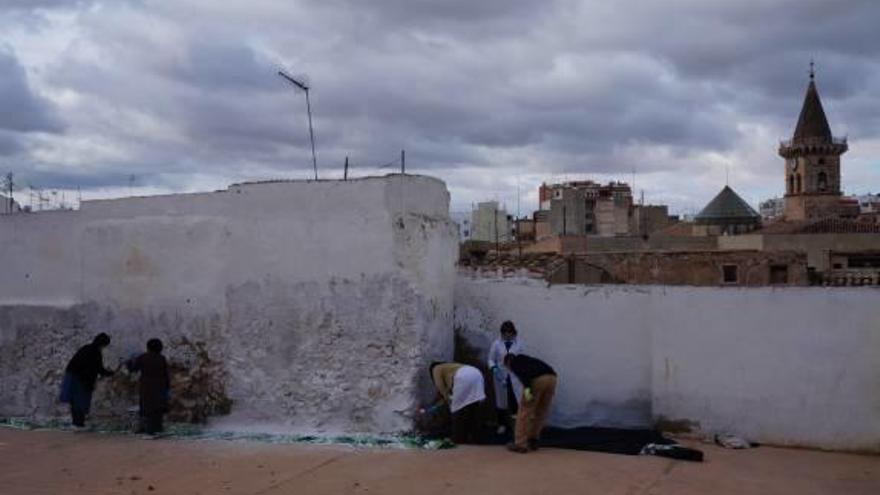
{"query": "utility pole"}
(564, 219)
(402, 161)
(9, 186)
(303, 86)
(517, 196)
(633, 189)
(345, 173)
(518, 240)
(497, 250)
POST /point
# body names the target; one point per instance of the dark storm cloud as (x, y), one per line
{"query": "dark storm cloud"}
(9, 145)
(22, 109)
(190, 87)
(216, 64)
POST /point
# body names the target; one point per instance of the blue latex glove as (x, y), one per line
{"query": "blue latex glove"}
(430, 409)
(498, 372)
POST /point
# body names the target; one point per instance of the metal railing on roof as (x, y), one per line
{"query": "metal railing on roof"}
(813, 141)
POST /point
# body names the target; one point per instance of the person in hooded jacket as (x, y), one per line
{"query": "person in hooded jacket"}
(153, 387)
(80, 375)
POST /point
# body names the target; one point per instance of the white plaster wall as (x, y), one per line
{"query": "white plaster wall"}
(323, 300)
(596, 338)
(787, 366)
(792, 366)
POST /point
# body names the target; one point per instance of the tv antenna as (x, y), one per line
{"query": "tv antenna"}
(305, 87)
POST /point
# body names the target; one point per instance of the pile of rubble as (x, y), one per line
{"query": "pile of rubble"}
(198, 383)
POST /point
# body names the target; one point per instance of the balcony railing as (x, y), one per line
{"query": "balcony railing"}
(813, 141)
(848, 277)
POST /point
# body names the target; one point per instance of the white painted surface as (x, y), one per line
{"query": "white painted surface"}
(792, 366)
(788, 366)
(594, 337)
(323, 300)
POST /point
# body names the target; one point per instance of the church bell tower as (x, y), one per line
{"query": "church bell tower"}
(812, 163)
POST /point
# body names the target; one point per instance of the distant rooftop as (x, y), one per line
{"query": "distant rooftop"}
(727, 206)
(823, 226)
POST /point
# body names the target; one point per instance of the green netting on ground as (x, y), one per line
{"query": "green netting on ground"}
(195, 432)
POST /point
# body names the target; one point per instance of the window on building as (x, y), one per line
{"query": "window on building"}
(730, 274)
(797, 183)
(778, 274)
(863, 261)
(821, 161)
(822, 181)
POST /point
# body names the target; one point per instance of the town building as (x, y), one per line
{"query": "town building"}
(726, 214)
(490, 223)
(771, 209)
(812, 163)
(868, 203)
(8, 205)
(588, 208)
(648, 219)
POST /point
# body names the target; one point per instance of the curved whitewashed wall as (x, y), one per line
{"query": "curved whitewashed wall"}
(786, 366)
(317, 303)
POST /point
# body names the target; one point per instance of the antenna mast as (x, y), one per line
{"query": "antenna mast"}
(303, 86)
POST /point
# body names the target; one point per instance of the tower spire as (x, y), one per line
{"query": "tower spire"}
(812, 123)
(812, 161)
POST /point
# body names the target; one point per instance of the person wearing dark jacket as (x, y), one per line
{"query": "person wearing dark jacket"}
(80, 376)
(153, 387)
(539, 385)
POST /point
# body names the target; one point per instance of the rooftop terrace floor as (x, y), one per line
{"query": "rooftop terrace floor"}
(46, 462)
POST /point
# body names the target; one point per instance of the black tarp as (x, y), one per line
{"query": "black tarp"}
(596, 439)
(613, 441)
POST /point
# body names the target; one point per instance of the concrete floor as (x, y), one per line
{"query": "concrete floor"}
(48, 462)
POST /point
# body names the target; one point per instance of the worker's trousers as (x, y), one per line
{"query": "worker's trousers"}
(533, 413)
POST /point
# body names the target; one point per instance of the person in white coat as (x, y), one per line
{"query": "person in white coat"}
(505, 385)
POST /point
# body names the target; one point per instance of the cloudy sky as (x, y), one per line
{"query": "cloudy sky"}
(492, 96)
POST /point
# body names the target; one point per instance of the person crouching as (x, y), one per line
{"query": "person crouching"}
(539, 386)
(461, 387)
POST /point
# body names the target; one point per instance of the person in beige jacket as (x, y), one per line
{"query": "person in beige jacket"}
(460, 387)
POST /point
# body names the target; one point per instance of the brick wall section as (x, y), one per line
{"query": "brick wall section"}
(697, 268)
(704, 268)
